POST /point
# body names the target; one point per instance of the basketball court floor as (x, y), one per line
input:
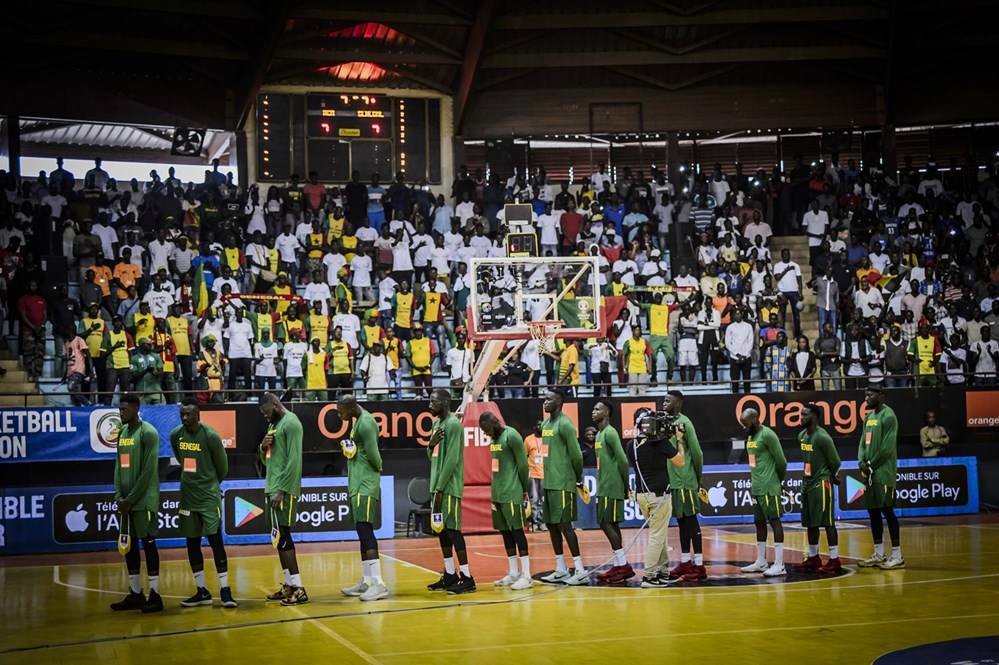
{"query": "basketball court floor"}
(55, 608)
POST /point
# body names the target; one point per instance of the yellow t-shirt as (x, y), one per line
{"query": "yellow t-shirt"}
(636, 356)
(419, 355)
(145, 325)
(570, 356)
(180, 330)
(404, 310)
(340, 352)
(315, 370)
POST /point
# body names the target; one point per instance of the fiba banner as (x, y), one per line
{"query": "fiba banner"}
(60, 434)
(85, 518)
(924, 487)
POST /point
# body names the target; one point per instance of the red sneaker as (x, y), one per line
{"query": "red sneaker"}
(608, 575)
(621, 574)
(695, 574)
(809, 565)
(832, 567)
(681, 570)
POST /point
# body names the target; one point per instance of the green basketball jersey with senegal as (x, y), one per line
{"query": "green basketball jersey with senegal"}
(766, 461)
(284, 462)
(688, 476)
(447, 470)
(365, 468)
(819, 456)
(203, 465)
(136, 469)
(563, 461)
(509, 467)
(612, 465)
(879, 445)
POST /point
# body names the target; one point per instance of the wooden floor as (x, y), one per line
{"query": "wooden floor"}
(55, 609)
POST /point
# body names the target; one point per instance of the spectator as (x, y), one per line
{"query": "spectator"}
(420, 351)
(802, 366)
(984, 357)
(739, 342)
(788, 274)
(146, 373)
(568, 369)
(78, 367)
(600, 354)
(856, 353)
(265, 355)
(341, 364)
(924, 352)
(237, 341)
(933, 437)
(459, 362)
(375, 369)
(315, 365)
(708, 338)
(896, 352)
(211, 368)
(816, 225)
(118, 346)
(826, 298)
(636, 357)
(776, 361)
(687, 349)
(31, 310)
(827, 349)
(953, 360)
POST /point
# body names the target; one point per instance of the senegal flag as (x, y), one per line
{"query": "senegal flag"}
(199, 292)
(580, 312)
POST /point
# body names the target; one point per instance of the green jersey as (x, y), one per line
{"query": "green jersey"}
(563, 461)
(364, 470)
(510, 472)
(688, 476)
(766, 461)
(136, 468)
(447, 466)
(879, 445)
(284, 458)
(819, 455)
(203, 465)
(612, 465)
(148, 382)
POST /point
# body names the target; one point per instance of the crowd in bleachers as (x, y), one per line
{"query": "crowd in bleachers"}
(318, 289)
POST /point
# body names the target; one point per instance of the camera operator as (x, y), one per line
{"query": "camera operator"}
(651, 449)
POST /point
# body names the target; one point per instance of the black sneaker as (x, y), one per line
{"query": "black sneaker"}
(446, 580)
(657, 582)
(297, 597)
(200, 597)
(282, 593)
(227, 599)
(133, 601)
(466, 584)
(153, 604)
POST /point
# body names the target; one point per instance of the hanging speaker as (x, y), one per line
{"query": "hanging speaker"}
(187, 142)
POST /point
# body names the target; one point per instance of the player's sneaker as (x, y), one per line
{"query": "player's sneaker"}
(621, 574)
(133, 601)
(201, 597)
(282, 593)
(605, 575)
(892, 562)
(227, 599)
(775, 571)
(522, 582)
(375, 592)
(297, 597)
(579, 577)
(356, 590)
(809, 565)
(679, 570)
(695, 574)
(831, 567)
(506, 580)
(873, 561)
(556, 577)
(756, 567)
(446, 580)
(465, 584)
(153, 603)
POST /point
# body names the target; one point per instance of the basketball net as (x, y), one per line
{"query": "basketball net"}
(544, 333)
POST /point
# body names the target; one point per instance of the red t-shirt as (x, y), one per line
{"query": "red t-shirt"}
(33, 307)
(314, 193)
(571, 223)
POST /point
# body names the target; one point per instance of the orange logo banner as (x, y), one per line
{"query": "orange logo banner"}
(982, 408)
(223, 422)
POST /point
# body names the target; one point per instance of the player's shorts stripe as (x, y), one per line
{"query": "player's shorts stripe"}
(368, 509)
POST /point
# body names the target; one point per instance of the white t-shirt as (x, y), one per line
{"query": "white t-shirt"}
(453, 242)
(422, 244)
(386, 289)
(366, 234)
(530, 355)
(240, 335)
(402, 260)
(870, 302)
(287, 245)
(350, 325)
(952, 363)
(439, 258)
(360, 266)
(986, 366)
(109, 237)
(549, 229)
(222, 281)
(789, 282)
(266, 357)
(628, 269)
(597, 181)
(55, 202)
(318, 291)
(259, 254)
(460, 363)
(686, 286)
(333, 262)
(719, 190)
(293, 354)
(879, 261)
(159, 303)
(464, 211)
(480, 245)
(817, 223)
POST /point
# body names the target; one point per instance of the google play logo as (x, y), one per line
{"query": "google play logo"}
(854, 489)
(246, 512)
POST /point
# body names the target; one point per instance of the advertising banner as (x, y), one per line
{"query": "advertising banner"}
(82, 518)
(982, 408)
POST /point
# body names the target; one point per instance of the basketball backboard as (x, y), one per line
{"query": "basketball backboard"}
(511, 292)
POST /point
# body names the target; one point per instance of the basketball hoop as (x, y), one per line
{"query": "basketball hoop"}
(544, 332)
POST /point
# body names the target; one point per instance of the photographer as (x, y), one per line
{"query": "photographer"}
(652, 447)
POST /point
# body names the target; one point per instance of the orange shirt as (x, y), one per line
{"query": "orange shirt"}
(102, 277)
(128, 274)
(535, 456)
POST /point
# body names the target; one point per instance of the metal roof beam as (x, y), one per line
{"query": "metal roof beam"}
(470, 63)
(237, 10)
(327, 56)
(639, 58)
(277, 21)
(600, 20)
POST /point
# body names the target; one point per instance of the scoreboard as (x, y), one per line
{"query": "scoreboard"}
(336, 133)
(349, 116)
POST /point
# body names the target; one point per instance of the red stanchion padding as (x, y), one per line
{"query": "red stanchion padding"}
(476, 510)
(478, 462)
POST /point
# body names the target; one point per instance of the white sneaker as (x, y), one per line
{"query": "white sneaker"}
(579, 577)
(506, 581)
(873, 561)
(522, 582)
(892, 562)
(375, 592)
(557, 577)
(356, 590)
(756, 567)
(775, 571)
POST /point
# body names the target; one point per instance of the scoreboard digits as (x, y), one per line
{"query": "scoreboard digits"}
(349, 116)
